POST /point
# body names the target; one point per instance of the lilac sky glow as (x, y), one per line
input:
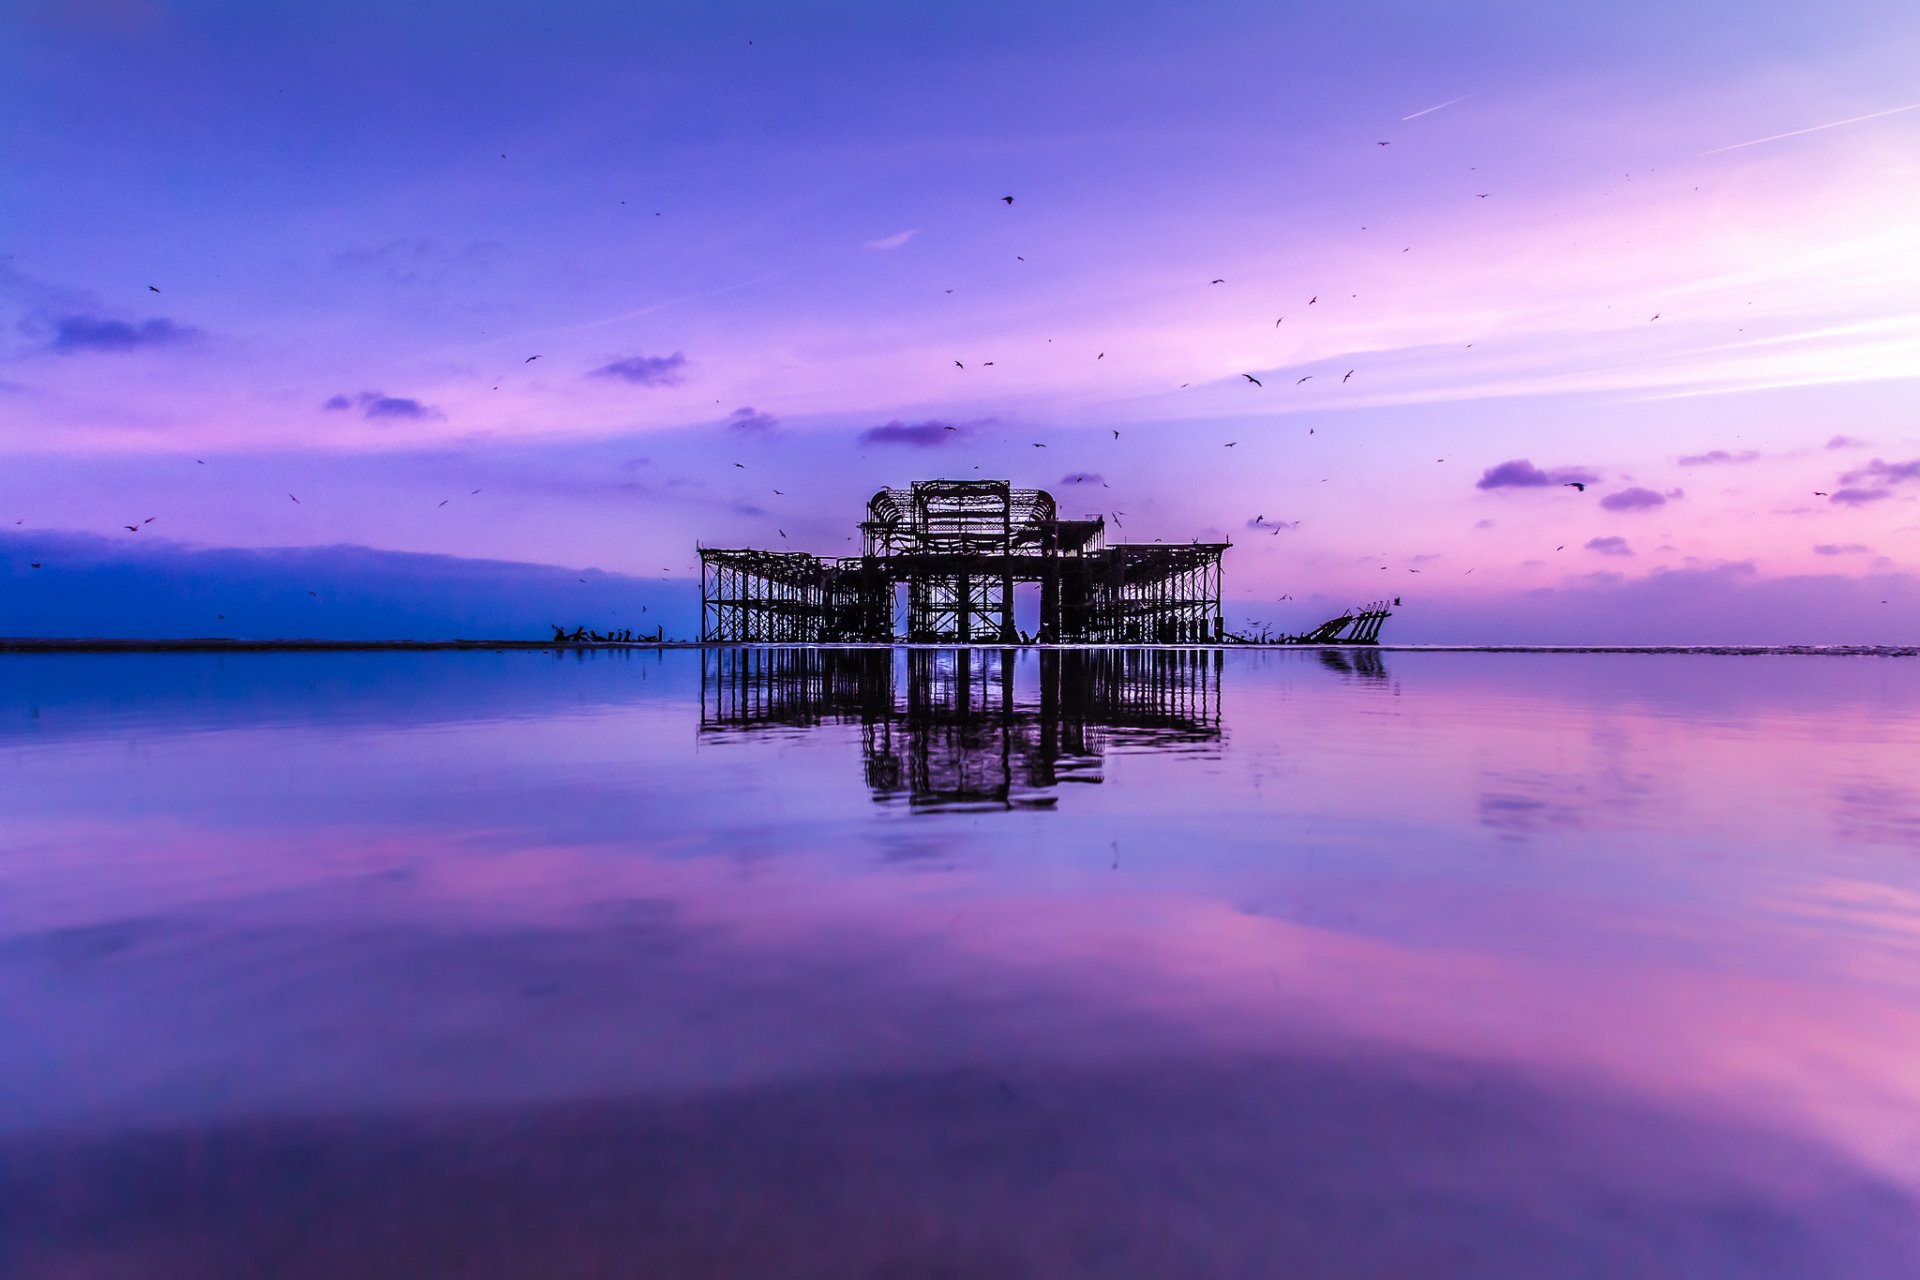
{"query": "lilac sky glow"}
(248, 252)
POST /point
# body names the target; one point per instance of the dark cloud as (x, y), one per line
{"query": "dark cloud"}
(1483, 524)
(1609, 546)
(377, 404)
(1721, 455)
(930, 434)
(1083, 477)
(1522, 474)
(1883, 473)
(1841, 549)
(646, 371)
(746, 419)
(1858, 497)
(92, 333)
(1846, 442)
(1634, 499)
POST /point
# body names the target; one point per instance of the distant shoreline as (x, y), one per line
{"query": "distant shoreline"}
(218, 645)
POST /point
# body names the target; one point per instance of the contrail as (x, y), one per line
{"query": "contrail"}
(1891, 111)
(1430, 110)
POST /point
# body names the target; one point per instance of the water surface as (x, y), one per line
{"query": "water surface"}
(959, 963)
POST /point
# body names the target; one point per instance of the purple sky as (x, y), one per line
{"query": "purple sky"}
(765, 234)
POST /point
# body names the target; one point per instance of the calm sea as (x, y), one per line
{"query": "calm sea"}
(941, 963)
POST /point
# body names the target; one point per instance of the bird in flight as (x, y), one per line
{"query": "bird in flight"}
(1039, 446)
(958, 365)
(949, 428)
(1303, 380)
(1007, 199)
(1575, 484)
(781, 494)
(1229, 444)
(1276, 323)
(1101, 356)
(1819, 493)
(131, 528)
(295, 499)
(1221, 280)
(529, 359)
(36, 564)
(1482, 195)
(741, 465)
(1653, 317)
(445, 501)
(1315, 298)
(1255, 381)
(1116, 433)
(1349, 375)
(151, 289)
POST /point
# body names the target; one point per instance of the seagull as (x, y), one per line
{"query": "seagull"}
(1482, 195)
(131, 528)
(444, 501)
(1007, 199)
(1101, 356)
(36, 564)
(1229, 444)
(1116, 433)
(1819, 493)
(529, 359)
(1383, 144)
(1303, 380)
(958, 365)
(942, 428)
(1575, 484)
(1276, 323)
(1315, 298)
(741, 465)
(780, 493)
(1653, 317)
(148, 520)
(783, 533)
(1222, 280)
(1255, 381)
(475, 491)
(1349, 375)
(1039, 446)
(151, 289)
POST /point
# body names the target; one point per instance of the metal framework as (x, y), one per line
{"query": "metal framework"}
(972, 728)
(959, 547)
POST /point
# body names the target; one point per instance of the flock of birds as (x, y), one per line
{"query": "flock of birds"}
(1008, 200)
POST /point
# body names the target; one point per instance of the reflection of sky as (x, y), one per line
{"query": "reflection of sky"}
(336, 884)
(351, 206)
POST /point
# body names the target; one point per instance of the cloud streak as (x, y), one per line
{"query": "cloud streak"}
(931, 434)
(1834, 124)
(1520, 473)
(77, 333)
(1634, 499)
(646, 371)
(377, 404)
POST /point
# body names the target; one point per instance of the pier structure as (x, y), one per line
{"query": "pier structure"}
(957, 549)
(971, 728)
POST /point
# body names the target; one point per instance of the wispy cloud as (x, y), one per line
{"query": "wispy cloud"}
(1083, 477)
(1611, 546)
(377, 404)
(1847, 442)
(1716, 456)
(1858, 497)
(747, 419)
(1522, 474)
(1633, 499)
(77, 333)
(1841, 549)
(1882, 472)
(895, 240)
(930, 434)
(646, 371)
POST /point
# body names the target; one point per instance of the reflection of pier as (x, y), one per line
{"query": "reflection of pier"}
(980, 728)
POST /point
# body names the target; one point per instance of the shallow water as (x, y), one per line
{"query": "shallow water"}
(935, 963)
